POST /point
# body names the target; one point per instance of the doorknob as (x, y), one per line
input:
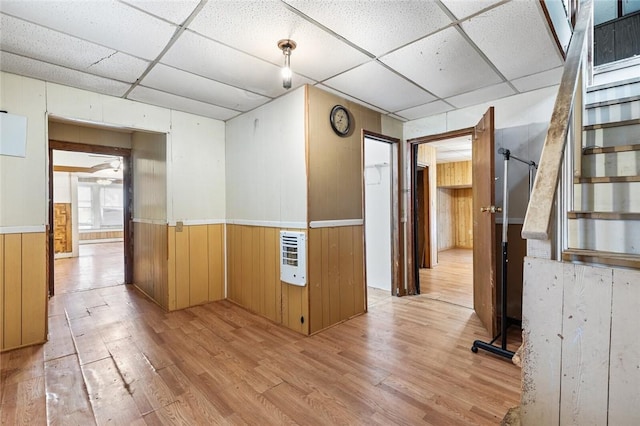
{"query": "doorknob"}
(491, 209)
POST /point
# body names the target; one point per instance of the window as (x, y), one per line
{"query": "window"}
(608, 10)
(100, 206)
(85, 214)
(111, 206)
(616, 32)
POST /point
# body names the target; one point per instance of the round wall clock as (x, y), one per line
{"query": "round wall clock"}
(340, 120)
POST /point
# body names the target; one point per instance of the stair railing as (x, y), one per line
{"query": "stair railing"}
(561, 151)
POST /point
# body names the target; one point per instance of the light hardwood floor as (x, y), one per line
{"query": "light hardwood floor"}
(451, 280)
(114, 357)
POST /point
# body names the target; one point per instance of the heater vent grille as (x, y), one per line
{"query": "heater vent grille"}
(293, 255)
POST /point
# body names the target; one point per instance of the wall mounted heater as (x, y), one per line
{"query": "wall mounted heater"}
(293, 258)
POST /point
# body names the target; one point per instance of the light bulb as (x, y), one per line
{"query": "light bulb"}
(286, 69)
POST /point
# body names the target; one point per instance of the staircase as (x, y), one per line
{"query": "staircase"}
(604, 227)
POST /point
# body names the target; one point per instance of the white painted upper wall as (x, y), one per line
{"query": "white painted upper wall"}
(512, 111)
(62, 187)
(265, 164)
(192, 139)
(23, 181)
(521, 123)
(196, 169)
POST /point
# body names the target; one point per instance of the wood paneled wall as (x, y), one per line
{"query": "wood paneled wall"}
(335, 163)
(68, 132)
(335, 174)
(100, 235)
(516, 250)
(150, 261)
(253, 277)
(62, 235)
(457, 174)
(195, 265)
(23, 289)
(580, 363)
(336, 275)
(427, 156)
(455, 218)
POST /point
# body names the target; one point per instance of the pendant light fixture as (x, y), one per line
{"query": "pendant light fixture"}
(286, 46)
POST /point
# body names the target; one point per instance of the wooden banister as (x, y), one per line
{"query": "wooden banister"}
(539, 211)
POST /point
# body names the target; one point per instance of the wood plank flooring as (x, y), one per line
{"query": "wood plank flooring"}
(451, 280)
(114, 357)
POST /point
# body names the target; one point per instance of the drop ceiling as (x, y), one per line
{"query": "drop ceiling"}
(219, 58)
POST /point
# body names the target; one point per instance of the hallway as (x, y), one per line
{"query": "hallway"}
(451, 280)
(407, 361)
(99, 265)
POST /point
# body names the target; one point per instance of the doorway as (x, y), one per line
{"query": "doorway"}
(381, 214)
(90, 210)
(483, 211)
(447, 276)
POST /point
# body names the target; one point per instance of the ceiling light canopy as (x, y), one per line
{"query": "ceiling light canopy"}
(286, 46)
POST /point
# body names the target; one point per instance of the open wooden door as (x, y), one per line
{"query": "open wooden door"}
(484, 274)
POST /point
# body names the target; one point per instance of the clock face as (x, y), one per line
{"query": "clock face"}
(340, 120)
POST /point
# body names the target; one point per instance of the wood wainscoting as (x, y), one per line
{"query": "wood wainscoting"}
(195, 265)
(336, 275)
(253, 278)
(150, 261)
(23, 289)
(101, 235)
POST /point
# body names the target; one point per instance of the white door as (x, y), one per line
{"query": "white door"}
(378, 229)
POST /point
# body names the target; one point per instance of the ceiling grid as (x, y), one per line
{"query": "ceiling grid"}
(405, 58)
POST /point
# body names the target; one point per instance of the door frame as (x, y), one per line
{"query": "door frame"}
(413, 278)
(127, 184)
(397, 241)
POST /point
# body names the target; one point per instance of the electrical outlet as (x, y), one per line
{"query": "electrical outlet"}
(179, 226)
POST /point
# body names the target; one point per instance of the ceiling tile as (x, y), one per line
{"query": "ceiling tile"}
(210, 59)
(167, 100)
(397, 22)
(392, 92)
(255, 27)
(36, 42)
(426, 110)
(108, 23)
(192, 86)
(41, 70)
(486, 94)
(539, 80)
(444, 63)
(455, 149)
(176, 11)
(512, 37)
(463, 8)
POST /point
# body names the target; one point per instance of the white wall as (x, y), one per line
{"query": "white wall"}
(61, 187)
(265, 164)
(23, 188)
(525, 142)
(377, 192)
(23, 181)
(513, 111)
(196, 167)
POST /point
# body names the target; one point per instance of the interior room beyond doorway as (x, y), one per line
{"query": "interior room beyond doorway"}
(450, 278)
